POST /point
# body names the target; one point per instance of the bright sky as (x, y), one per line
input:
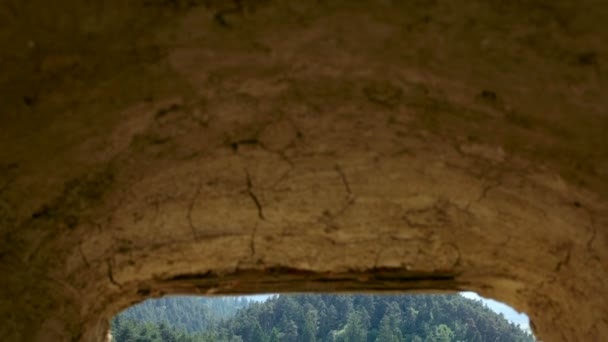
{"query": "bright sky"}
(259, 298)
(520, 319)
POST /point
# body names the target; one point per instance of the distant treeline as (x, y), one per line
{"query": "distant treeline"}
(315, 318)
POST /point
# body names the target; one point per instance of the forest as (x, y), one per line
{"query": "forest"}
(315, 318)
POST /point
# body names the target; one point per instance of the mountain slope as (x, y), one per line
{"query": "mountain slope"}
(191, 314)
(347, 318)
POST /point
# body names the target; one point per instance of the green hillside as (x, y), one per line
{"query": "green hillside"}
(319, 318)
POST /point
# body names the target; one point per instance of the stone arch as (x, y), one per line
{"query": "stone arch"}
(354, 222)
(270, 148)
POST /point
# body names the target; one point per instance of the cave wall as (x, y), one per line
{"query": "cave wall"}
(207, 147)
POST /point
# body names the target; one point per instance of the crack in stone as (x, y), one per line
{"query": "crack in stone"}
(328, 218)
(254, 198)
(592, 229)
(437, 213)
(344, 180)
(111, 276)
(350, 200)
(236, 144)
(458, 255)
(220, 15)
(592, 237)
(565, 261)
(84, 258)
(254, 231)
(484, 192)
(285, 174)
(280, 153)
(487, 168)
(255, 141)
(191, 207)
(407, 220)
(487, 189)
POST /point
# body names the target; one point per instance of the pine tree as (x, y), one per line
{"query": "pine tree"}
(442, 333)
(355, 330)
(388, 331)
(309, 330)
(166, 335)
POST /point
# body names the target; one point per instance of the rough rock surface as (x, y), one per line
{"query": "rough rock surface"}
(151, 147)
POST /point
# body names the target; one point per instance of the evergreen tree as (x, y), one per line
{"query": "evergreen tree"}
(388, 331)
(289, 329)
(309, 330)
(355, 330)
(442, 333)
(166, 334)
(276, 335)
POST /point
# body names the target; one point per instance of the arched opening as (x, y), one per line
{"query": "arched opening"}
(321, 317)
(231, 223)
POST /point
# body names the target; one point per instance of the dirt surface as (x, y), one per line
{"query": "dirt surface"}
(205, 147)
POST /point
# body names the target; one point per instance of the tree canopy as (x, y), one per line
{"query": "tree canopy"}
(316, 318)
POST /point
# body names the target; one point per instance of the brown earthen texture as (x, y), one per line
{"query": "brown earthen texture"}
(153, 147)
